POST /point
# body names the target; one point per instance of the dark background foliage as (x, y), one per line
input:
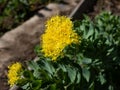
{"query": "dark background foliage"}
(15, 12)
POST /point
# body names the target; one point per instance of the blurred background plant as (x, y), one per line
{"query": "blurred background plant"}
(14, 12)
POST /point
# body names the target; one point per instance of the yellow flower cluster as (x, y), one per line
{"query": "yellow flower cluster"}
(14, 73)
(57, 36)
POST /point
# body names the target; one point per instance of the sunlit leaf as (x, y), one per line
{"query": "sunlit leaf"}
(86, 74)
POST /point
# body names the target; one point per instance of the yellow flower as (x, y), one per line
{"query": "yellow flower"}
(14, 73)
(57, 36)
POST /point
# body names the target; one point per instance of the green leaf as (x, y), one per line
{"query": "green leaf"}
(26, 86)
(48, 66)
(110, 87)
(100, 23)
(72, 74)
(82, 27)
(79, 58)
(86, 74)
(63, 67)
(101, 78)
(91, 87)
(44, 75)
(36, 84)
(87, 60)
(27, 74)
(33, 65)
(78, 78)
(37, 73)
(90, 31)
(52, 87)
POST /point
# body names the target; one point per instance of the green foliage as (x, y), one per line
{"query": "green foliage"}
(94, 64)
(14, 12)
(101, 43)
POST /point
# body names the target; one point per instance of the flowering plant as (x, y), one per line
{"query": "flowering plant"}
(79, 55)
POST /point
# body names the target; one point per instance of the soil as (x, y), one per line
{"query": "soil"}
(101, 5)
(106, 5)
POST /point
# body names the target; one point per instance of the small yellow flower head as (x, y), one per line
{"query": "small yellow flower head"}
(14, 73)
(57, 36)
